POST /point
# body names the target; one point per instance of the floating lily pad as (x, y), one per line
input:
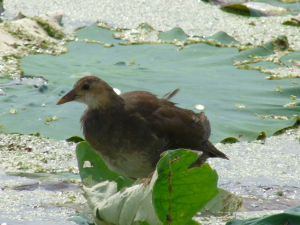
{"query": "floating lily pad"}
(175, 33)
(223, 38)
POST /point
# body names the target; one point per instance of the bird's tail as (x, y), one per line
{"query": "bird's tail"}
(169, 95)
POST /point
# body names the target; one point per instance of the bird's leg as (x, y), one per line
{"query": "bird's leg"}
(200, 161)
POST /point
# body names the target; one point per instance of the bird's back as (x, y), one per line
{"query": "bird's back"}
(178, 127)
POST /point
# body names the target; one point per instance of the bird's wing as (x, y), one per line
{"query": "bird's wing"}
(181, 128)
(184, 128)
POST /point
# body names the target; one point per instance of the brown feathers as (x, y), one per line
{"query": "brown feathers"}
(131, 130)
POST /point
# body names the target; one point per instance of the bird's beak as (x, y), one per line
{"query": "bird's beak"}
(70, 96)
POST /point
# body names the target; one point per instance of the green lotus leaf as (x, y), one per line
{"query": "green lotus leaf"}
(179, 193)
(223, 38)
(92, 168)
(149, 201)
(171, 35)
(93, 32)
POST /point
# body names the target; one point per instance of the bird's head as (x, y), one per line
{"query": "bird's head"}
(91, 91)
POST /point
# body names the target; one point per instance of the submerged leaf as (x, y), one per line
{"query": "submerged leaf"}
(254, 9)
(292, 22)
(237, 9)
(223, 203)
(75, 139)
(289, 217)
(229, 140)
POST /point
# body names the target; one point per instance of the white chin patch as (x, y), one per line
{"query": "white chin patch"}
(117, 91)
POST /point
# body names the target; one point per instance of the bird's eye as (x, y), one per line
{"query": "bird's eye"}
(85, 87)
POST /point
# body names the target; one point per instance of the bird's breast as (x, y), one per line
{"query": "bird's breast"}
(132, 166)
(127, 146)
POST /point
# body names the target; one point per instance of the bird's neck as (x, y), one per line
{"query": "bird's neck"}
(107, 103)
(96, 124)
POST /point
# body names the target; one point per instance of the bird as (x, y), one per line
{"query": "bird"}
(130, 131)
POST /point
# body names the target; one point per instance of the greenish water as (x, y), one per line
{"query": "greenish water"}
(235, 100)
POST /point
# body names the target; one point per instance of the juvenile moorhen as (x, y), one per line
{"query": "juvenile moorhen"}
(131, 130)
